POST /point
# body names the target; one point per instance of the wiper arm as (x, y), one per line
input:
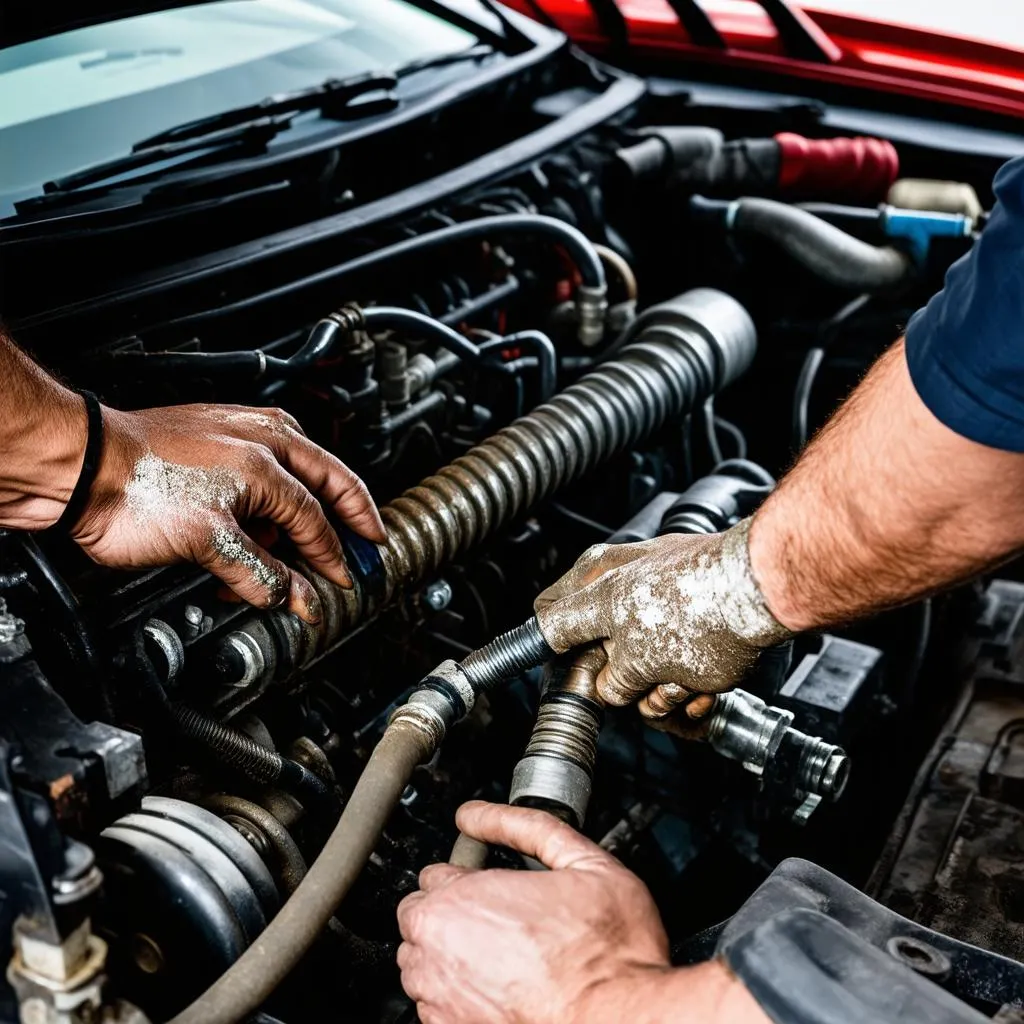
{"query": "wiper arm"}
(335, 96)
(252, 125)
(255, 124)
(255, 133)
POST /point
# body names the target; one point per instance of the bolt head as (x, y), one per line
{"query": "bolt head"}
(438, 595)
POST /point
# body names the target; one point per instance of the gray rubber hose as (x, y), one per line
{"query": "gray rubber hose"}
(825, 250)
(247, 983)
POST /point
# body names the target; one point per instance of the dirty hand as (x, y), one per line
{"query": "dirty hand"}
(679, 615)
(502, 946)
(177, 484)
(581, 942)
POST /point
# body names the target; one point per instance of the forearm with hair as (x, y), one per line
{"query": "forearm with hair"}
(42, 441)
(887, 504)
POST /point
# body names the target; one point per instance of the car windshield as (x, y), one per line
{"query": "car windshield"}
(75, 99)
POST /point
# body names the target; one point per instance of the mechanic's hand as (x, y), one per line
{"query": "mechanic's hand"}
(679, 615)
(177, 484)
(483, 946)
(579, 943)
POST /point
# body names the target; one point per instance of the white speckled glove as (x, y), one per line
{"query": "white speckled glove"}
(679, 615)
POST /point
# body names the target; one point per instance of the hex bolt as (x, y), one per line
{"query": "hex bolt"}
(438, 595)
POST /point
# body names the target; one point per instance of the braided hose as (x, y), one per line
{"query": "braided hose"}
(242, 753)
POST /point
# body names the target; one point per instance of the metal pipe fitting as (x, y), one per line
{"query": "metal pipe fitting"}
(449, 692)
(591, 307)
(557, 768)
(744, 728)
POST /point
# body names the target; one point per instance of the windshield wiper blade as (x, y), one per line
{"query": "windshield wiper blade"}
(255, 124)
(255, 133)
(333, 96)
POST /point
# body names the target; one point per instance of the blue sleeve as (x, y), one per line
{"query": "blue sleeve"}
(965, 349)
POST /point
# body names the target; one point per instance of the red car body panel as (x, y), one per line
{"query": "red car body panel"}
(900, 59)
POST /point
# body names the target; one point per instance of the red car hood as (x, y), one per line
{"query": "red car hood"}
(847, 49)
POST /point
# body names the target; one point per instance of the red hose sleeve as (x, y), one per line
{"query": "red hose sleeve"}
(859, 168)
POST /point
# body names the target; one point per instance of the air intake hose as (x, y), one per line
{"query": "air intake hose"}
(677, 355)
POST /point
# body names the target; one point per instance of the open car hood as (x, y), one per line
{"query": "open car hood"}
(818, 45)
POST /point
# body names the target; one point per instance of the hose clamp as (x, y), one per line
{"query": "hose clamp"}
(450, 679)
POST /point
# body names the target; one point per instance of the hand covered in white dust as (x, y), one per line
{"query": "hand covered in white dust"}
(679, 615)
(177, 484)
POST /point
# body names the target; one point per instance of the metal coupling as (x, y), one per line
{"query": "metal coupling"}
(430, 710)
(744, 728)
(823, 768)
(556, 770)
(591, 308)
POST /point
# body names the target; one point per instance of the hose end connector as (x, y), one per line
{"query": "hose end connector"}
(744, 728)
(591, 309)
(556, 770)
(506, 656)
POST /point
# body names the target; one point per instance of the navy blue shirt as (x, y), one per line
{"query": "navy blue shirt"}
(965, 349)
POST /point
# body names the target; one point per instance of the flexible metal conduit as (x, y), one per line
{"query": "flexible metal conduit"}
(682, 352)
(675, 355)
(244, 754)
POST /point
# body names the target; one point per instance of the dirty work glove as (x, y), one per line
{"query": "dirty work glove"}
(183, 483)
(679, 615)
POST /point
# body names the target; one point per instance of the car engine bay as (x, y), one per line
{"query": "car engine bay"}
(571, 307)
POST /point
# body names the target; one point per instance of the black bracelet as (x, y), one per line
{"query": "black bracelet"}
(90, 464)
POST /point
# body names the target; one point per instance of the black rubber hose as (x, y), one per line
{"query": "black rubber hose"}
(547, 357)
(247, 983)
(392, 318)
(241, 752)
(324, 337)
(812, 364)
(494, 296)
(542, 345)
(508, 225)
(827, 251)
(76, 634)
